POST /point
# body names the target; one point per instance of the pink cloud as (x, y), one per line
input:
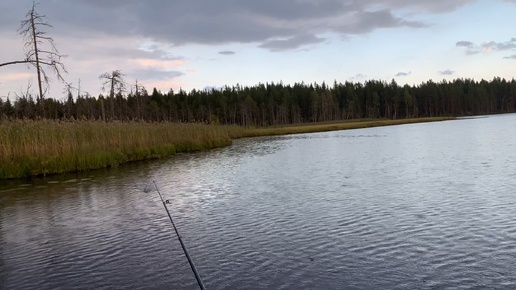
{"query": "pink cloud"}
(158, 63)
(16, 76)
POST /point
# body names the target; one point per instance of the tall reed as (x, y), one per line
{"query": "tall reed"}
(31, 148)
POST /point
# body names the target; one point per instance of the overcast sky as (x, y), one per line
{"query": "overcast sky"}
(195, 44)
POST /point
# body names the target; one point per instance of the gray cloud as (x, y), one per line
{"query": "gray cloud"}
(128, 52)
(101, 35)
(358, 77)
(12, 12)
(403, 74)
(465, 44)
(487, 47)
(227, 52)
(155, 74)
(291, 43)
(435, 6)
(501, 46)
(178, 22)
(367, 21)
(471, 48)
(447, 72)
(511, 56)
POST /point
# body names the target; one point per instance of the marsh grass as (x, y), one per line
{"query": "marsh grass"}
(32, 148)
(43, 147)
(335, 126)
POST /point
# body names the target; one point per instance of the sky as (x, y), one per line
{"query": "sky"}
(200, 44)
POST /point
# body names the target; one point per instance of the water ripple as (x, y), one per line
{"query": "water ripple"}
(424, 206)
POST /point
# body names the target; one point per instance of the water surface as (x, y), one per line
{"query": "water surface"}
(413, 206)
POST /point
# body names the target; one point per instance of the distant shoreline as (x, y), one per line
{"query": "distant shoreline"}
(342, 125)
(45, 147)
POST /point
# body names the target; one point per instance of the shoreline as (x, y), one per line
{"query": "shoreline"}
(343, 125)
(40, 148)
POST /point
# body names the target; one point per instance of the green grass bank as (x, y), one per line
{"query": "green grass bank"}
(343, 125)
(32, 148)
(35, 148)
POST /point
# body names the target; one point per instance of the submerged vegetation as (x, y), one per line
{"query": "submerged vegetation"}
(43, 147)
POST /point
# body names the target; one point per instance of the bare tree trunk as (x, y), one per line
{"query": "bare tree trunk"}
(138, 101)
(111, 97)
(102, 110)
(38, 68)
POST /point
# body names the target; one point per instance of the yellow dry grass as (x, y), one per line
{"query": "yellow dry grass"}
(33, 148)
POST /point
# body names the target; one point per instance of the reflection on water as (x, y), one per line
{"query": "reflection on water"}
(404, 207)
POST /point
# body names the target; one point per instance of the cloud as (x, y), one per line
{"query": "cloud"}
(447, 72)
(471, 48)
(367, 21)
(157, 63)
(358, 77)
(227, 52)
(465, 44)
(291, 43)
(178, 22)
(435, 6)
(21, 76)
(143, 37)
(403, 74)
(154, 74)
(487, 47)
(491, 45)
(511, 56)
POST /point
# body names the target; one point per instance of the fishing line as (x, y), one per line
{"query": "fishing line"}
(194, 270)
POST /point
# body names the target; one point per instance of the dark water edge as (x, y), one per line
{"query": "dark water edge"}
(423, 206)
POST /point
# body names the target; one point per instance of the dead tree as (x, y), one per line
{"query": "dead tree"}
(140, 92)
(41, 51)
(69, 103)
(115, 82)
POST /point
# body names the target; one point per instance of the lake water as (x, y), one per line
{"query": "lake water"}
(420, 206)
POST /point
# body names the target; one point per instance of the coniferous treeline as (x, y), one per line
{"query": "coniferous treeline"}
(278, 104)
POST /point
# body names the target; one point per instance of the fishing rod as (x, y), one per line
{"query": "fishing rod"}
(194, 270)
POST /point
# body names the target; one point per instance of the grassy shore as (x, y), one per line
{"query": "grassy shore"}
(31, 148)
(335, 126)
(35, 148)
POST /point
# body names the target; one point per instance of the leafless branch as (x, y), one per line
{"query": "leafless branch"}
(14, 62)
(35, 53)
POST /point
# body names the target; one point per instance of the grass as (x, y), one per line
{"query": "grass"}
(35, 148)
(334, 126)
(32, 148)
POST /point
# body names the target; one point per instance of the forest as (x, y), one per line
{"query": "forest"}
(261, 105)
(273, 104)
